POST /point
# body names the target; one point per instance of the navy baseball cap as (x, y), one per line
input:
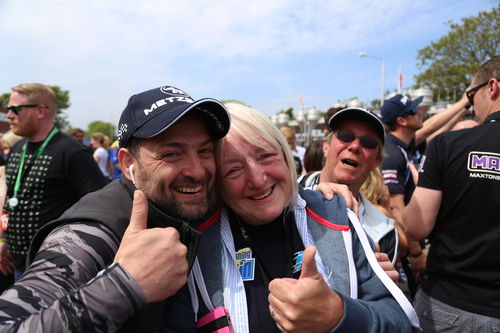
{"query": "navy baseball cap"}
(358, 114)
(151, 112)
(398, 106)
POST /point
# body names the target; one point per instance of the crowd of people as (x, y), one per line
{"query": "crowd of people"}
(218, 221)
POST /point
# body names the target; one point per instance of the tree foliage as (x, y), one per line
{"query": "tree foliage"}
(225, 101)
(449, 64)
(62, 97)
(4, 100)
(103, 127)
(63, 103)
(374, 105)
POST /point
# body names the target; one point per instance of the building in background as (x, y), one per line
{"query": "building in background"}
(309, 123)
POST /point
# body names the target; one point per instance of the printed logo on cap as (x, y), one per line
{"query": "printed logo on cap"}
(122, 130)
(176, 95)
(172, 91)
(404, 99)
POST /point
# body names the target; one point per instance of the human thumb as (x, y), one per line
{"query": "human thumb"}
(139, 216)
(309, 269)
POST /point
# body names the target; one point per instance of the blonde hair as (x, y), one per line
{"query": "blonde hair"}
(288, 133)
(38, 93)
(246, 123)
(373, 187)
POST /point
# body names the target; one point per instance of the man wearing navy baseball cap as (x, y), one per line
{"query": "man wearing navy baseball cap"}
(150, 113)
(399, 106)
(403, 118)
(110, 261)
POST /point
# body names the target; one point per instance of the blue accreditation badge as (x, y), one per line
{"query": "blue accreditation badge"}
(297, 258)
(246, 264)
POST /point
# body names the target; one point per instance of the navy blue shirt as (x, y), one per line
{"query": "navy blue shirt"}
(397, 175)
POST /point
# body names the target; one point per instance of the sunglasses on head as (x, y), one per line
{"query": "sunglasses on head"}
(16, 108)
(365, 141)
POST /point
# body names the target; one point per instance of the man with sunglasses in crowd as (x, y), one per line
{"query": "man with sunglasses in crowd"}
(456, 205)
(47, 172)
(352, 150)
(403, 118)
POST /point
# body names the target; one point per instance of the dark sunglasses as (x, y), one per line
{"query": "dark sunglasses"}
(472, 91)
(413, 111)
(16, 108)
(365, 141)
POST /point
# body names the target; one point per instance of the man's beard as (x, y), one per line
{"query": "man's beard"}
(169, 204)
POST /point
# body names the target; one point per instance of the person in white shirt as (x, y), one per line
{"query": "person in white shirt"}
(101, 155)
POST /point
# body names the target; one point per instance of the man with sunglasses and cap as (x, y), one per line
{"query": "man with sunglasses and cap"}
(455, 205)
(46, 174)
(352, 150)
(111, 261)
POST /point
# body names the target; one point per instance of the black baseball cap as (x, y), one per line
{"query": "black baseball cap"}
(151, 112)
(358, 114)
(398, 106)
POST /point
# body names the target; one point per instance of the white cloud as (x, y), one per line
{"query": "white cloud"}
(88, 29)
(104, 50)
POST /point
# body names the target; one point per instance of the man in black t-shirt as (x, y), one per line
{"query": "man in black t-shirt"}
(46, 174)
(456, 204)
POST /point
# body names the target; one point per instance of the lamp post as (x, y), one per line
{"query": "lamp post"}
(382, 63)
(301, 120)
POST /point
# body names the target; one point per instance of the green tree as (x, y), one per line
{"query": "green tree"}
(225, 101)
(63, 103)
(374, 105)
(103, 127)
(448, 65)
(62, 97)
(4, 99)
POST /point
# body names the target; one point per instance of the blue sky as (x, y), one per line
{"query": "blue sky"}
(266, 53)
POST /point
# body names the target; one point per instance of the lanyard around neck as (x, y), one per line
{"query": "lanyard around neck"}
(13, 201)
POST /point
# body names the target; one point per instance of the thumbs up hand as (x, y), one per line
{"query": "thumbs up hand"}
(155, 258)
(307, 304)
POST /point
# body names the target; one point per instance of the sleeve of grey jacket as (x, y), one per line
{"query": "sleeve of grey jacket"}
(375, 310)
(72, 285)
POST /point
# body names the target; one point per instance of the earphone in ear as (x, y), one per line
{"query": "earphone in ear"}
(130, 171)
